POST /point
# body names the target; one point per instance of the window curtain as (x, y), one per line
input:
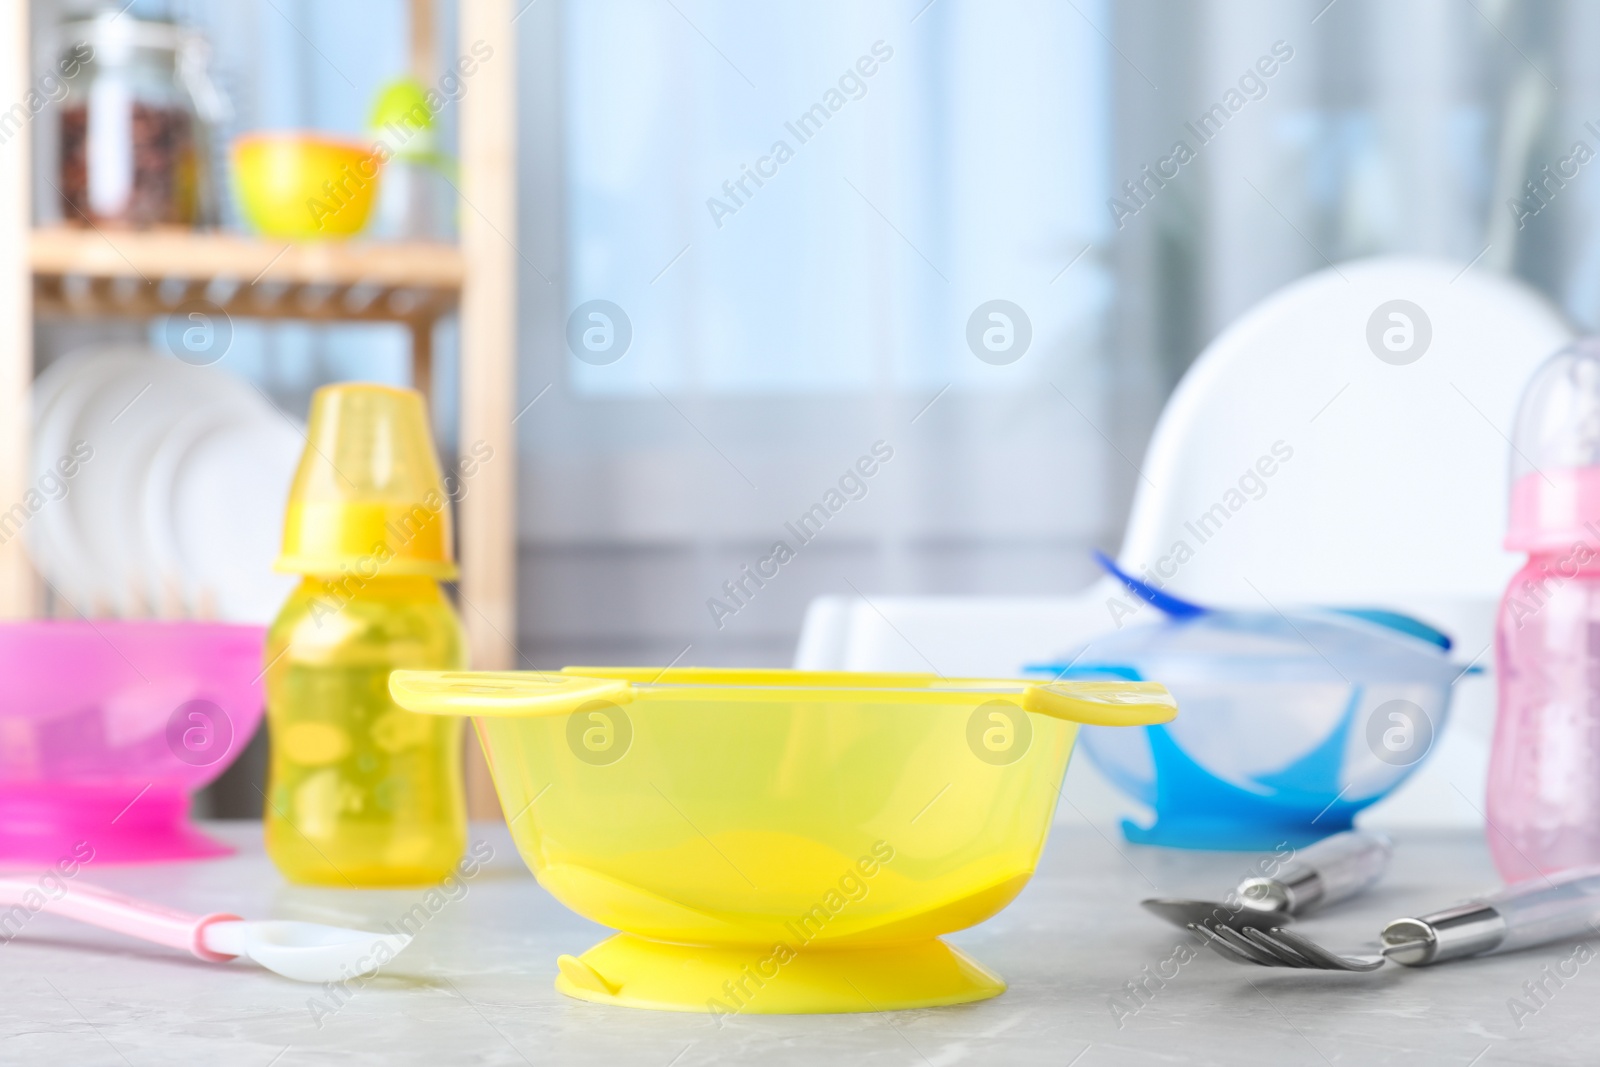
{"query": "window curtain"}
(800, 209)
(1395, 128)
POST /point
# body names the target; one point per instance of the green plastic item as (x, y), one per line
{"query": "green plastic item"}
(402, 120)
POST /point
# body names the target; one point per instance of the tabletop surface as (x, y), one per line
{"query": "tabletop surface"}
(1093, 980)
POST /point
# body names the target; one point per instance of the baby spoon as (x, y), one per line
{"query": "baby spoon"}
(306, 952)
(1176, 607)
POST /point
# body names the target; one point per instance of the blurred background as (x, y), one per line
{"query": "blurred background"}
(780, 326)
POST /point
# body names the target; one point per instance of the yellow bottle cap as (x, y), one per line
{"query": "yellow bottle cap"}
(368, 497)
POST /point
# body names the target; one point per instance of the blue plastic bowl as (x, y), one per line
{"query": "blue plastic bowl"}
(1289, 725)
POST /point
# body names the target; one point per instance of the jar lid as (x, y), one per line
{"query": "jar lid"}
(118, 34)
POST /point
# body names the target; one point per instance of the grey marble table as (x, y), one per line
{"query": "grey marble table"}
(476, 987)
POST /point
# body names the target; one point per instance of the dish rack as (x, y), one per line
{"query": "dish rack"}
(56, 272)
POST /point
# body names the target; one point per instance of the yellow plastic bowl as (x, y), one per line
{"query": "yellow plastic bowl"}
(777, 841)
(303, 186)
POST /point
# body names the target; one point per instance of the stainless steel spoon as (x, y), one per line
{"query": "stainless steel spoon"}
(1334, 869)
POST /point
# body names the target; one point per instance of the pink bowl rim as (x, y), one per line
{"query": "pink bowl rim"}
(152, 625)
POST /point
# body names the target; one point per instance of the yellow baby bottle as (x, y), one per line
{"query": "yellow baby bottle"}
(360, 791)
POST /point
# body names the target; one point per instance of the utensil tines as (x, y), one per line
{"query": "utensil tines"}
(1278, 947)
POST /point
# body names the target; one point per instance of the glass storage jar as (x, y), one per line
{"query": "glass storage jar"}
(136, 124)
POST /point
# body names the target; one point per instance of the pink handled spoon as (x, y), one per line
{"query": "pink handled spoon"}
(306, 952)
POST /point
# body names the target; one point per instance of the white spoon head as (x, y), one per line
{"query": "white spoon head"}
(312, 952)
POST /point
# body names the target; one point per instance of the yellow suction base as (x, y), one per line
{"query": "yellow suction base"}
(775, 980)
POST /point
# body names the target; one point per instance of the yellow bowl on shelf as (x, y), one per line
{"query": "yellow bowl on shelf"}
(305, 186)
(777, 841)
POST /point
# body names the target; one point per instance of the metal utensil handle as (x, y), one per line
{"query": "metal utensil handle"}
(1549, 908)
(1331, 870)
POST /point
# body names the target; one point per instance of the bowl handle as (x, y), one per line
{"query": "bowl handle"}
(1103, 703)
(506, 693)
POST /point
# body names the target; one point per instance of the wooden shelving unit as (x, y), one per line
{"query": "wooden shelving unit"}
(80, 272)
(157, 255)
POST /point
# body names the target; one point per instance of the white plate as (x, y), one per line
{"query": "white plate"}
(178, 510)
(127, 420)
(55, 398)
(59, 397)
(229, 491)
(108, 419)
(170, 591)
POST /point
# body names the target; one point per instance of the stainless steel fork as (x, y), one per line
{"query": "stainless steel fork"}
(1278, 947)
(1535, 912)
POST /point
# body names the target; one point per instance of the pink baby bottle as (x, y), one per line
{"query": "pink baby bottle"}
(1544, 771)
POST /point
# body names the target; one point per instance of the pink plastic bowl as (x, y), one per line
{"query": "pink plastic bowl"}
(106, 728)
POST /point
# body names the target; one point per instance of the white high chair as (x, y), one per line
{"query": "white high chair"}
(1387, 488)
